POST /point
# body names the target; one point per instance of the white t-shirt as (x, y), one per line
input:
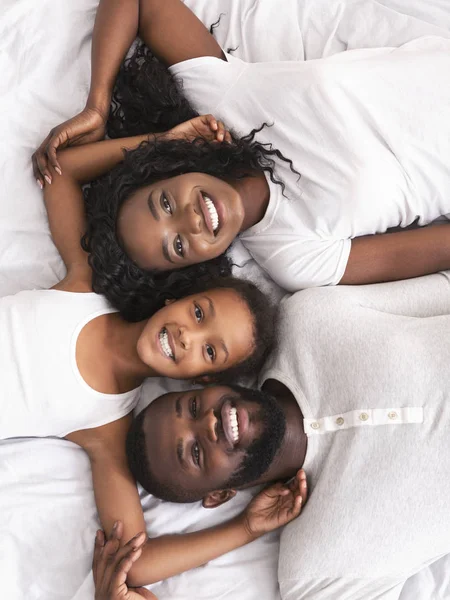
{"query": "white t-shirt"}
(369, 368)
(369, 131)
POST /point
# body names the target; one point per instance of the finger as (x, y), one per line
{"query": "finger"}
(36, 173)
(220, 132)
(145, 593)
(50, 150)
(42, 163)
(98, 546)
(212, 122)
(128, 550)
(228, 139)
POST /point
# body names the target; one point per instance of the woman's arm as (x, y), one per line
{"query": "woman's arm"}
(115, 28)
(400, 255)
(117, 499)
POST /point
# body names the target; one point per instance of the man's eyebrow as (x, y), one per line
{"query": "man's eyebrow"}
(152, 208)
(178, 407)
(165, 249)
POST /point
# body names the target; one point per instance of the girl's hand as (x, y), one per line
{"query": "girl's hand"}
(88, 126)
(205, 126)
(111, 565)
(276, 506)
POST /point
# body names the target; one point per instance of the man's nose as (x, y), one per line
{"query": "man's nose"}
(210, 425)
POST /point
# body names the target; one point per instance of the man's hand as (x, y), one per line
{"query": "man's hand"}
(205, 126)
(276, 506)
(88, 126)
(112, 563)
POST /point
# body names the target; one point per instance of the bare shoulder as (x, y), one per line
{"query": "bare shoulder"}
(107, 439)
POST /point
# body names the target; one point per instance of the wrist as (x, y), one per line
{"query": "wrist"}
(244, 523)
(100, 103)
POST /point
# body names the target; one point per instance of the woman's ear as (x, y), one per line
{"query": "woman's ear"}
(168, 301)
(215, 499)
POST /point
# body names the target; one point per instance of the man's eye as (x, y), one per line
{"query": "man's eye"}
(178, 246)
(198, 313)
(196, 454)
(194, 407)
(166, 204)
(210, 352)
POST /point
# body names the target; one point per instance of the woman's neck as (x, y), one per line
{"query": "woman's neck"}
(255, 193)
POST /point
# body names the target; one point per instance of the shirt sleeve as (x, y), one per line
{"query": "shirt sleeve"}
(206, 80)
(301, 263)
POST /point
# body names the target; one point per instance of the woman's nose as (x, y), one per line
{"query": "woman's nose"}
(194, 220)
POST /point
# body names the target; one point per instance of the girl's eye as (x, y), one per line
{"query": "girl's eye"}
(166, 204)
(178, 246)
(198, 313)
(196, 454)
(210, 352)
(194, 407)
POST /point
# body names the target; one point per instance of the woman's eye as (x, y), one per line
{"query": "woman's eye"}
(210, 352)
(194, 407)
(166, 204)
(178, 245)
(198, 313)
(196, 454)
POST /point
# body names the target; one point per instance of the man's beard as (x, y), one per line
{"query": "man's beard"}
(261, 452)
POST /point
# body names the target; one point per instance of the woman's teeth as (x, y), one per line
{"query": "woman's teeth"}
(212, 212)
(234, 424)
(164, 341)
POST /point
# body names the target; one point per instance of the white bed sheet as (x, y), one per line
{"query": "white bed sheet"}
(46, 503)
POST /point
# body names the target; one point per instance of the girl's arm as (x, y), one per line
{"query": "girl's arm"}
(402, 255)
(65, 203)
(117, 499)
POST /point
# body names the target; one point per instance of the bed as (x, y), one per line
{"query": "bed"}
(46, 500)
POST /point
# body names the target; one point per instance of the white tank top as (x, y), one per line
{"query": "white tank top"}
(42, 392)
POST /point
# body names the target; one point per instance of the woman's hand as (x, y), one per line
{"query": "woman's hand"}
(276, 506)
(88, 126)
(112, 563)
(205, 126)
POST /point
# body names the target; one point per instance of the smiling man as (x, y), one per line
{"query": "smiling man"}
(361, 382)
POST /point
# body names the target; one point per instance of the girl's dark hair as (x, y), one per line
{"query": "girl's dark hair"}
(263, 315)
(148, 99)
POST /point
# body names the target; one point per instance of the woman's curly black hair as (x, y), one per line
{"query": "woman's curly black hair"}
(148, 99)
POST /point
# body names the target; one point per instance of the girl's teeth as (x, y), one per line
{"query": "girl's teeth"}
(164, 339)
(212, 212)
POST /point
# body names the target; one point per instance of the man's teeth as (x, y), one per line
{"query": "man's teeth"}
(164, 340)
(234, 424)
(212, 212)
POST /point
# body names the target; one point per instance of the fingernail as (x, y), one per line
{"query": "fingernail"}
(58, 170)
(115, 525)
(48, 180)
(39, 184)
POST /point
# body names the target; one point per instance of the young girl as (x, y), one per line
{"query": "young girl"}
(367, 163)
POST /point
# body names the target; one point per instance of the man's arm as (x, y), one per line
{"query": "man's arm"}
(400, 255)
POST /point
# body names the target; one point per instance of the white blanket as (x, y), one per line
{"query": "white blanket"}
(48, 516)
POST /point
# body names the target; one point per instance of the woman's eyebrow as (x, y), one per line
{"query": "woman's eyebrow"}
(152, 207)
